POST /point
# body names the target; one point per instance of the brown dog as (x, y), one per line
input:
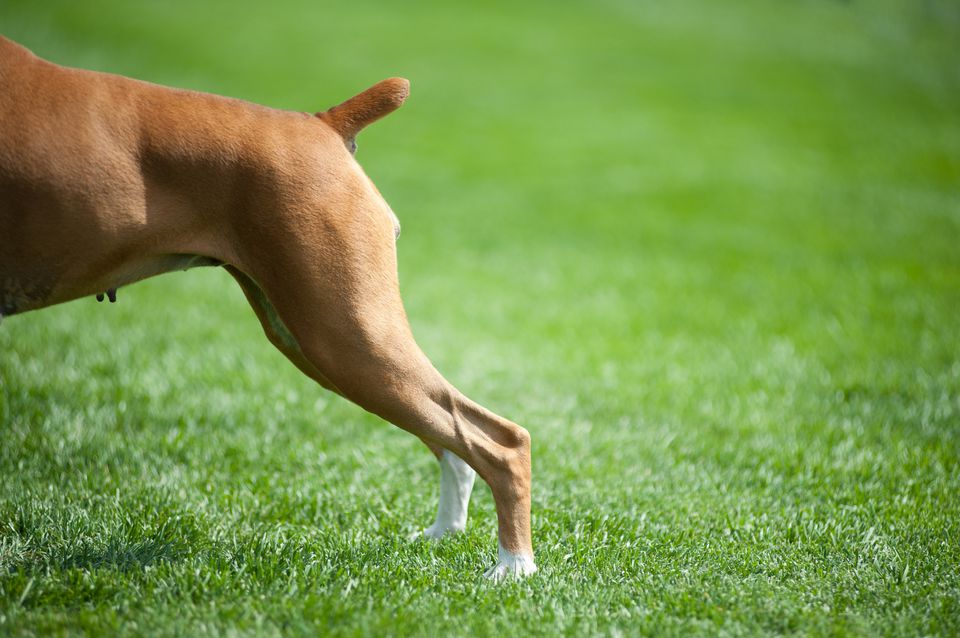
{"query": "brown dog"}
(105, 181)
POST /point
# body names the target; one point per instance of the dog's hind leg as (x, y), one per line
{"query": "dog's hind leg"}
(337, 294)
(456, 476)
(276, 332)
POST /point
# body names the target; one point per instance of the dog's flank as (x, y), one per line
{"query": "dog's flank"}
(106, 180)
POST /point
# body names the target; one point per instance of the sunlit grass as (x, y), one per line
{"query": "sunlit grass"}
(706, 254)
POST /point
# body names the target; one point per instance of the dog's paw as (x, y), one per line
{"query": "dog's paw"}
(510, 565)
(435, 532)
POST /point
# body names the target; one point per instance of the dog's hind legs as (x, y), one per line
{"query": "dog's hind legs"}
(456, 476)
(349, 326)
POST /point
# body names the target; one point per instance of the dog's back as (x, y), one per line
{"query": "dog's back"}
(87, 157)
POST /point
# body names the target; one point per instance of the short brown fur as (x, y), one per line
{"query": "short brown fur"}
(106, 180)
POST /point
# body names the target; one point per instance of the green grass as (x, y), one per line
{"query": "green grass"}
(707, 253)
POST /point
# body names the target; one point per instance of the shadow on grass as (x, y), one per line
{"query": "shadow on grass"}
(44, 537)
(119, 555)
(53, 574)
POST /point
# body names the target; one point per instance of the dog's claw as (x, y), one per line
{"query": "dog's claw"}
(100, 296)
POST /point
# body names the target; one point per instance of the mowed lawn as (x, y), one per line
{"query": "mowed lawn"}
(707, 253)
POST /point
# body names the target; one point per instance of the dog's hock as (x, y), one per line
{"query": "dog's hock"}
(350, 117)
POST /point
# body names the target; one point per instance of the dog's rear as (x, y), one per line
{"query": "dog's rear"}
(106, 180)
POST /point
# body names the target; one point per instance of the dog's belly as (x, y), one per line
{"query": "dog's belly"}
(152, 266)
(20, 294)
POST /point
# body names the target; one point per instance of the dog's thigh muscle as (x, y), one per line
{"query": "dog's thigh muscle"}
(276, 332)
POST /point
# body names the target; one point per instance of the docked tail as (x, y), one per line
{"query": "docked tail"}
(362, 109)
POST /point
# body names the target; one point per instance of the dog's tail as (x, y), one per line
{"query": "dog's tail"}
(381, 99)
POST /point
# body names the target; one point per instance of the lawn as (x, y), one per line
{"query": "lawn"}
(707, 253)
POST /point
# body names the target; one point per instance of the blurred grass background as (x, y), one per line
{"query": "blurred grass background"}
(707, 253)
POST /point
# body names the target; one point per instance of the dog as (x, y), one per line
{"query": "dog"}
(107, 180)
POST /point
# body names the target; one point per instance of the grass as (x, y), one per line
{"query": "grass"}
(707, 255)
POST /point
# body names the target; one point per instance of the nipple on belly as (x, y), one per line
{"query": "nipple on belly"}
(111, 294)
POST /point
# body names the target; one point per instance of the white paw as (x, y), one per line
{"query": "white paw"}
(510, 565)
(435, 532)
